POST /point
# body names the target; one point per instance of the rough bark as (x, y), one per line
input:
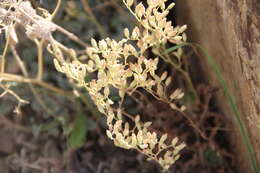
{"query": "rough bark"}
(229, 31)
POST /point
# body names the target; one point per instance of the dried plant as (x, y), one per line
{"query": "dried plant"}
(121, 65)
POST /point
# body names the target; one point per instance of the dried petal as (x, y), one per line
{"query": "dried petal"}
(140, 10)
(129, 3)
(126, 33)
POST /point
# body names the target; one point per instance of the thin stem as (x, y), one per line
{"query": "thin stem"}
(93, 18)
(21, 79)
(56, 9)
(19, 61)
(7, 90)
(40, 59)
(72, 36)
(128, 115)
(138, 19)
(192, 123)
(184, 73)
(25, 73)
(142, 96)
(52, 88)
(4, 54)
(117, 6)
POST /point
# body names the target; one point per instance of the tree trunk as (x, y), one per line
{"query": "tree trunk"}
(229, 31)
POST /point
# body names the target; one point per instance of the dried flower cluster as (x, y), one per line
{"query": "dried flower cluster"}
(21, 12)
(121, 65)
(156, 28)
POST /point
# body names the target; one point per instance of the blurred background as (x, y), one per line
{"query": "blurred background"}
(62, 133)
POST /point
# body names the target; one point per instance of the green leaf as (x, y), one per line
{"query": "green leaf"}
(78, 134)
(171, 49)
